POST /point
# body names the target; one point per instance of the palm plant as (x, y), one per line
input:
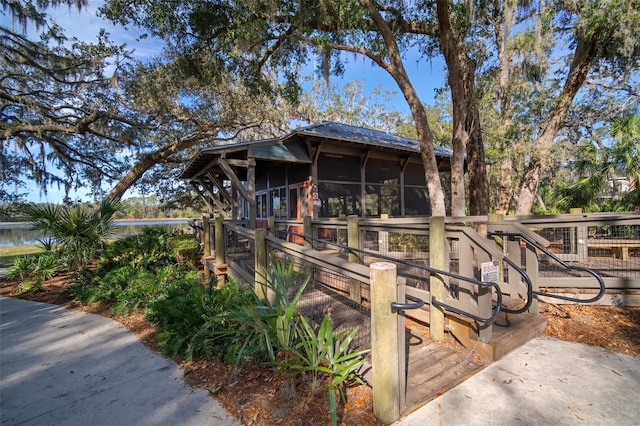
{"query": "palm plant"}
(327, 352)
(32, 271)
(626, 154)
(598, 166)
(78, 233)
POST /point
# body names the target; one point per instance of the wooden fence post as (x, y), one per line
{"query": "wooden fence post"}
(271, 224)
(579, 240)
(437, 260)
(353, 241)
(206, 240)
(260, 277)
(384, 343)
(219, 245)
(307, 231)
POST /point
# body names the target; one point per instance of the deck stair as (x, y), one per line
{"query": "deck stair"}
(434, 368)
(509, 332)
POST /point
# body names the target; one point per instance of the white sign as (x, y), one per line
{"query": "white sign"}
(490, 272)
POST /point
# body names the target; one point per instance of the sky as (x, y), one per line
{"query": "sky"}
(85, 25)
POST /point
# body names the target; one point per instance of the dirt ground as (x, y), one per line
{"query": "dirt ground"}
(259, 395)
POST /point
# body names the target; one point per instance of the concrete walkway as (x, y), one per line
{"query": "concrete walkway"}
(63, 367)
(545, 382)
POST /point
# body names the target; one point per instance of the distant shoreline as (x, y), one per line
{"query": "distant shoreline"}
(167, 219)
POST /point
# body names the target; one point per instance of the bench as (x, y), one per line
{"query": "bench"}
(619, 248)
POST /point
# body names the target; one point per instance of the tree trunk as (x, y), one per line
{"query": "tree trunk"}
(506, 184)
(466, 136)
(583, 58)
(425, 136)
(477, 166)
(505, 54)
(147, 162)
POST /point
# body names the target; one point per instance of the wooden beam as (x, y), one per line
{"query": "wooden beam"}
(251, 184)
(404, 162)
(206, 168)
(363, 183)
(235, 181)
(315, 211)
(204, 198)
(217, 182)
(240, 163)
(215, 199)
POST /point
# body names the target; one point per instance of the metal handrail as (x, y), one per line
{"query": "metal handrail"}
(525, 277)
(434, 271)
(534, 243)
(417, 304)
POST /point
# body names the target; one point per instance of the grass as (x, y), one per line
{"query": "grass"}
(8, 253)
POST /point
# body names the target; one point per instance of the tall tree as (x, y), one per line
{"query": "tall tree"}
(454, 26)
(350, 104)
(78, 114)
(253, 38)
(61, 119)
(602, 34)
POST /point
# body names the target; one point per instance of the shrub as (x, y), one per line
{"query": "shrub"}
(134, 271)
(78, 233)
(197, 321)
(32, 271)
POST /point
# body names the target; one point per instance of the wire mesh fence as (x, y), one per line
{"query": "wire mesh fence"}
(612, 250)
(326, 294)
(239, 250)
(330, 233)
(409, 247)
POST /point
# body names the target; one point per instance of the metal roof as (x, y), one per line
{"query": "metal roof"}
(355, 134)
(323, 130)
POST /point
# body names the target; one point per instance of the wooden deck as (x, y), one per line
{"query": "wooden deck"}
(434, 368)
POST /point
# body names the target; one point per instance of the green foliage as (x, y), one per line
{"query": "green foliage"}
(62, 121)
(270, 323)
(32, 271)
(600, 169)
(234, 324)
(78, 232)
(227, 321)
(135, 270)
(326, 352)
(196, 321)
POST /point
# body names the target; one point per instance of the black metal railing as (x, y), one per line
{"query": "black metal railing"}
(497, 306)
(564, 264)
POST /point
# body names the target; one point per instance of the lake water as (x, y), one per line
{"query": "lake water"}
(12, 234)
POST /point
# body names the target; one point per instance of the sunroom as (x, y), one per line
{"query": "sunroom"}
(324, 170)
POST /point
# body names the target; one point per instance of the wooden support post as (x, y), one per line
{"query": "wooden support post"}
(384, 343)
(251, 199)
(500, 243)
(383, 238)
(437, 260)
(206, 240)
(531, 257)
(307, 231)
(579, 239)
(260, 278)
(353, 241)
(221, 262)
(271, 224)
(206, 237)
